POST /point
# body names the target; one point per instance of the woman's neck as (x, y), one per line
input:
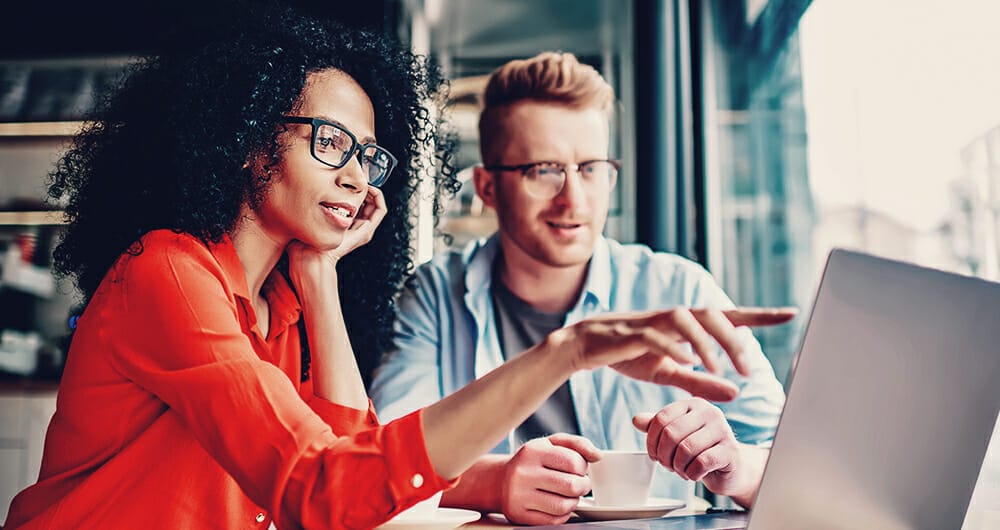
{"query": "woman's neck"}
(258, 252)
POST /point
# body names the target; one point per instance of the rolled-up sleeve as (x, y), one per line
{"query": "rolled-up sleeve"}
(383, 467)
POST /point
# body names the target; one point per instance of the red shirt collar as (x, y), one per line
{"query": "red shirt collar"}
(285, 308)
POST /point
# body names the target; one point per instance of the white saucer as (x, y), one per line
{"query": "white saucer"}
(654, 507)
(442, 518)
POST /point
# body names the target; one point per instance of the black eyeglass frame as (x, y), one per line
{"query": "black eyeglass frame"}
(355, 151)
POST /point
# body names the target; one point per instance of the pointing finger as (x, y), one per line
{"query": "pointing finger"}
(760, 316)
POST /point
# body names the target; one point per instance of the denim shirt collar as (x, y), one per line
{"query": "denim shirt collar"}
(595, 296)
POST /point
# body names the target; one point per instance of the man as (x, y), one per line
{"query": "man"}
(544, 135)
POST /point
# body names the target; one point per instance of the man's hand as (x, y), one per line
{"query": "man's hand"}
(693, 439)
(543, 481)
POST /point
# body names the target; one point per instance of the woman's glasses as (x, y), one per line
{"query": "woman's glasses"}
(334, 146)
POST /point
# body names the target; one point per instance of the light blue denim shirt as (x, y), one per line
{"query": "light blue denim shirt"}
(445, 336)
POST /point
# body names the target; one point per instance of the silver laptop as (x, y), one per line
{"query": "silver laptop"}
(893, 398)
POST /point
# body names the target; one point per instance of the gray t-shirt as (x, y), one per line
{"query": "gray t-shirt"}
(520, 327)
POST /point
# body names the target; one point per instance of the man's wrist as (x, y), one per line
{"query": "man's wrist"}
(748, 474)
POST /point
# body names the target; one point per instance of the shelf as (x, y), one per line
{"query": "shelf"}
(40, 128)
(46, 217)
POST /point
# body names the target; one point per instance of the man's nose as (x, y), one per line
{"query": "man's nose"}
(573, 191)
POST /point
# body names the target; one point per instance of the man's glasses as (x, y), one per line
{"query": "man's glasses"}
(545, 180)
(334, 146)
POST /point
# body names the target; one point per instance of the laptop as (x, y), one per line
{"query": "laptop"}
(890, 409)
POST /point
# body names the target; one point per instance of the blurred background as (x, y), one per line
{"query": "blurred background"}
(755, 135)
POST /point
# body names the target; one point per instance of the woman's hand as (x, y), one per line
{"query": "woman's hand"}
(653, 346)
(367, 219)
(313, 272)
(306, 263)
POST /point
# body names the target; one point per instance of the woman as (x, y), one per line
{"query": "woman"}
(185, 401)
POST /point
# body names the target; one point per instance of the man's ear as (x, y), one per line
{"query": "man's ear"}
(485, 186)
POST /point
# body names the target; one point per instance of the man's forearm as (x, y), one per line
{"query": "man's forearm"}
(481, 486)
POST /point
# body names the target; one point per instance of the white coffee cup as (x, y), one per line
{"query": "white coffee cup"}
(422, 510)
(622, 478)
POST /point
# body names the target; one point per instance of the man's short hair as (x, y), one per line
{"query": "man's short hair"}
(549, 77)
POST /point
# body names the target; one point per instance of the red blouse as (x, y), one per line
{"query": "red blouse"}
(175, 412)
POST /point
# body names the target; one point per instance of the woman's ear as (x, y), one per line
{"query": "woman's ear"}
(485, 186)
(259, 164)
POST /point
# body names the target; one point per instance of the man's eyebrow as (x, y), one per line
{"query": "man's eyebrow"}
(365, 140)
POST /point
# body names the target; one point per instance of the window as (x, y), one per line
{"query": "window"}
(846, 123)
(867, 125)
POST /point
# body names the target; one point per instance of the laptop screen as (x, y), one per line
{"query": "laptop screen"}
(891, 404)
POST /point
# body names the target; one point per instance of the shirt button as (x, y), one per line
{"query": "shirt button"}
(417, 480)
(260, 518)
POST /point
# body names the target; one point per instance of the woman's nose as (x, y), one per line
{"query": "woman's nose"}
(352, 176)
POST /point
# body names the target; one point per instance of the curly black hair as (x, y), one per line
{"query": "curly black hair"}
(166, 150)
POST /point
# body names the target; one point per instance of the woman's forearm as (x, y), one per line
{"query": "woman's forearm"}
(335, 373)
(646, 346)
(470, 422)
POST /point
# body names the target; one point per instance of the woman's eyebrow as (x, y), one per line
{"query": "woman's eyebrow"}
(365, 140)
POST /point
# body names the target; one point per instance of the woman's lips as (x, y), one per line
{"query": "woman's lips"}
(342, 215)
(340, 208)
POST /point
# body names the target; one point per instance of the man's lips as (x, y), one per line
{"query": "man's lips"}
(563, 224)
